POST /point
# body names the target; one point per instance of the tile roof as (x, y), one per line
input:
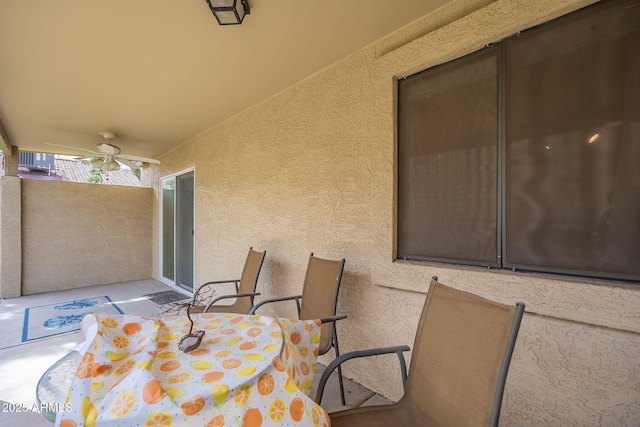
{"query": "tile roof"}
(75, 171)
(69, 169)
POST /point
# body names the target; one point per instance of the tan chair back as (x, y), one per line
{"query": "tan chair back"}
(249, 280)
(320, 295)
(457, 356)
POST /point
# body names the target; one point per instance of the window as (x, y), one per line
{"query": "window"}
(526, 154)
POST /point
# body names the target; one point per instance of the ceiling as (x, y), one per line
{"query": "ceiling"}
(158, 72)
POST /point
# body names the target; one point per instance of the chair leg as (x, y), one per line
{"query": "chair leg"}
(340, 378)
(344, 403)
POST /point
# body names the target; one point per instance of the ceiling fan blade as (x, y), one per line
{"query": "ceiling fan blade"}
(73, 148)
(138, 159)
(126, 162)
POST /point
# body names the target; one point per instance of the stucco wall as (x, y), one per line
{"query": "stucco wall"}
(312, 169)
(76, 235)
(10, 237)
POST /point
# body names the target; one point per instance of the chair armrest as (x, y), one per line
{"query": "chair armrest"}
(229, 297)
(267, 301)
(362, 353)
(333, 318)
(215, 282)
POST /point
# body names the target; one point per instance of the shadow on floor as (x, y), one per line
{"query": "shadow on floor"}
(355, 394)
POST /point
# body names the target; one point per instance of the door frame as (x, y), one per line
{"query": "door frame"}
(166, 281)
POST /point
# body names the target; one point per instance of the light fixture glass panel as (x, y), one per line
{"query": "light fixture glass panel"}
(222, 3)
(227, 17)
(240, 9)
(97, 162)
(110, 165)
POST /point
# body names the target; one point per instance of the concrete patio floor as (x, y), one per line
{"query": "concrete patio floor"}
(22, 365)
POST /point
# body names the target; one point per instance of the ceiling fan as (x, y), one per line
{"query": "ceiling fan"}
(108, 157)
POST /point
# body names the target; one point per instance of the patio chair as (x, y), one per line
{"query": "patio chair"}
(459, 365)
(245, 289)
(319, 300)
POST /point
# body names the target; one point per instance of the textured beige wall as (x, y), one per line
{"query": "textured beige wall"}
(312, 169)
(76, 235)
(10, 237)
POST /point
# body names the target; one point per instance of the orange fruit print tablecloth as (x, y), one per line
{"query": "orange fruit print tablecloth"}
(248, 371)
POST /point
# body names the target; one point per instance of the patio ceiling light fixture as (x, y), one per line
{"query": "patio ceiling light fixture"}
(229, 12)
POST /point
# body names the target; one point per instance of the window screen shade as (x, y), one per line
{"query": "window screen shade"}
(526, 154)
(447, 161)
(573, 143)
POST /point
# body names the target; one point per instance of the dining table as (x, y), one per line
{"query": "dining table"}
(247, 370)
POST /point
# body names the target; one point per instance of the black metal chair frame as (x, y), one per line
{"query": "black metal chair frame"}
(236, 282)
(399, 350)
(332, 319)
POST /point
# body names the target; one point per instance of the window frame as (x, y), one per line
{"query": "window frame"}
(502, 243)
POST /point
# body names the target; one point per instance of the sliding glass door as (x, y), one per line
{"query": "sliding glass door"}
(177, 229)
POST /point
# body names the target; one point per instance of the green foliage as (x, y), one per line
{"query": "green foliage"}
(96, 176)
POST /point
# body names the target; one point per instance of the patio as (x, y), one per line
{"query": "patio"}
(22, 365)
(312, 166)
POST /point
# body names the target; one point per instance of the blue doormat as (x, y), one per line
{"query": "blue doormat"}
(62, 318)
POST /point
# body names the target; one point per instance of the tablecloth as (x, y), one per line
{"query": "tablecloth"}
(249, 371)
